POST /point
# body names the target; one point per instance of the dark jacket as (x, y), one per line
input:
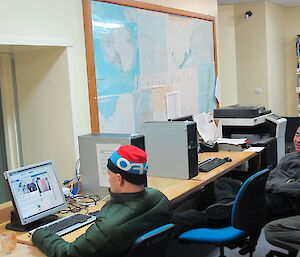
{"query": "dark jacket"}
(285, 179)
(121, 220)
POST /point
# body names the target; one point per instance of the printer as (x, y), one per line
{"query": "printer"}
(259, 125)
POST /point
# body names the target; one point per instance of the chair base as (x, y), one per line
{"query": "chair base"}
(223, 255)
(274, 253)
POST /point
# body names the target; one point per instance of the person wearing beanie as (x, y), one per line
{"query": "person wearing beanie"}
(132, 211)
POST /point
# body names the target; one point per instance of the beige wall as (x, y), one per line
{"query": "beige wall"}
(56, 77)
(275, 58)
(48, 23)
(227, 58)
(292, 29)
(265, 55)
(251, 53)
(45, 107)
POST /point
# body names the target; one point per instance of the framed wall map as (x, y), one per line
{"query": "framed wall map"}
(140, 56)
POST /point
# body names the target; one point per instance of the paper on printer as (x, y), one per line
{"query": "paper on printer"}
(210, 133)
(206, 127)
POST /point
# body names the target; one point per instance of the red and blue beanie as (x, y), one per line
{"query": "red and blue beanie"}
(130, 162)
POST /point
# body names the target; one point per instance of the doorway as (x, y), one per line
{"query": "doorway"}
(4, 196)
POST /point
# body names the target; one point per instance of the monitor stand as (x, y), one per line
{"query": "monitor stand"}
(16, 225)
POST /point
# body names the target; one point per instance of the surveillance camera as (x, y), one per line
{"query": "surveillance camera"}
(248, 14)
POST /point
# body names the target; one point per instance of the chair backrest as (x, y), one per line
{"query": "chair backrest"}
(249, 209)
(153, 243)
(291, 126)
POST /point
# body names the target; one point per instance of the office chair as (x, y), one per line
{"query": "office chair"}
(153, 243)
(291, 126)
(274, 253)
(247, 218)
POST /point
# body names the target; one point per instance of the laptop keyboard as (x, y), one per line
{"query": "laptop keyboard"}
(68, 224)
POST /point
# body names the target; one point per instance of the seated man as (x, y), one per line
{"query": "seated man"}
(132, 211)
(282, 195)
(285, 233)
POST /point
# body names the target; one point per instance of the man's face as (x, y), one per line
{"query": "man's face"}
(297, 140)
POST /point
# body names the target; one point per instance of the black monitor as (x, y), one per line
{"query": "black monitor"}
(183, 118)
(36, 193)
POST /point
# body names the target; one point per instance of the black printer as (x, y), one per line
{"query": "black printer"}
(241, 111)
(259, 125)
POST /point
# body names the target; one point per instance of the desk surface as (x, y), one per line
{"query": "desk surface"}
(174, 189)
(237, 158)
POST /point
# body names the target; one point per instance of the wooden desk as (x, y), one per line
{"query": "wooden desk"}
(238, 158)
(174, 189)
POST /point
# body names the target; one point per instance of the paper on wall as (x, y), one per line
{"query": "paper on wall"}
(218, 89)
(173, 105)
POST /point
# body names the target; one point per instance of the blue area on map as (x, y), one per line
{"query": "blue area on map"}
(110, 80)
(142, 107)
(107, 106)
(153, 26)
(187, 54)
(130, 46)
(206, 74)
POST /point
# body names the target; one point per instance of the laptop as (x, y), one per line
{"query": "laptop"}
(37, 195)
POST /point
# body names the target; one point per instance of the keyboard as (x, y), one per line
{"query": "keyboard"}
(210, 164)
(67, 224)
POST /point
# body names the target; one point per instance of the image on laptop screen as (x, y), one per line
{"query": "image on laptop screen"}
(36, 191)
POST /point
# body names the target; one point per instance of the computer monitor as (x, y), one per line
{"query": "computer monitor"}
(183, 118)
(36, 191)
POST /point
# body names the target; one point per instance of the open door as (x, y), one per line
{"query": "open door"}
(3, 160)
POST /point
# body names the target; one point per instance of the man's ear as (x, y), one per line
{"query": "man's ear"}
(120, 179)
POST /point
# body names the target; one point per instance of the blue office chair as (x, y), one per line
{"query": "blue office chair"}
(153, 243)
(248, 216)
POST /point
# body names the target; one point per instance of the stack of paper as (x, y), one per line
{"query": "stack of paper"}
(231, 141)
(206, 127)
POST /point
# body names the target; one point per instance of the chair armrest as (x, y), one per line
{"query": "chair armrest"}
(219, 211)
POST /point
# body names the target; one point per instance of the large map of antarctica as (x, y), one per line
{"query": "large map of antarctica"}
(142, 57)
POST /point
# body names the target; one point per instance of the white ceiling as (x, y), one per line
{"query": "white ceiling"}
(284, 3)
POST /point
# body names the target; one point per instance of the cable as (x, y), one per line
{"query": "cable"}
(105, 197)
(77, 165)
(77, 203)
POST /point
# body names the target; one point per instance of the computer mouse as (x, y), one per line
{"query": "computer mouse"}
(228, 159)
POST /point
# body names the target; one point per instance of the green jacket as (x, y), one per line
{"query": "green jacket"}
(120, 221)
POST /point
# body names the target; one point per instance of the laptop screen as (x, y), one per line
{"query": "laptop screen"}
(36, 191)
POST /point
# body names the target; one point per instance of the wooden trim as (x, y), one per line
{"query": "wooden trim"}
(215, 49)
(5, 210)
(215, 57)
(158, 8)
(90, 62)
(89, 44)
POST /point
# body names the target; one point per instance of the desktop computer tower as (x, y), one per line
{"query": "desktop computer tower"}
(94, 151)
(171, 147)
